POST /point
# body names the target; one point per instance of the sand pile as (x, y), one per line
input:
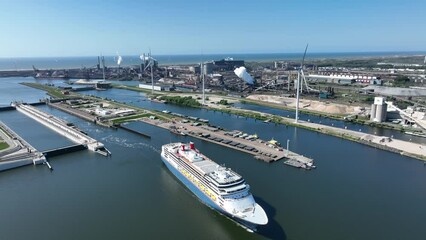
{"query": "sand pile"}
(311, 105)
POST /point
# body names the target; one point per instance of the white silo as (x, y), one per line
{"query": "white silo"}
(380, 107)
(373, 112)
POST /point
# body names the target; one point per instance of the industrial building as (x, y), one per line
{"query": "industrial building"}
(344, 79)
(228, 64)
(149, 87)
(378, 110)
(208, 68)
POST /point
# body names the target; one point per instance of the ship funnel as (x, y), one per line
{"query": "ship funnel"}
(183, 147)
(191, 145)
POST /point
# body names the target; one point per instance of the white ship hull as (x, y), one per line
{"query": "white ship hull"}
(249, 218)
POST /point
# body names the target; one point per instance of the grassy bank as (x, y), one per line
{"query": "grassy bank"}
(138, 116)
(129, 118)
(51, 91)
(3, 145)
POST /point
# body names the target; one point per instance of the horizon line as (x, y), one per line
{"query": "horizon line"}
(413, 52)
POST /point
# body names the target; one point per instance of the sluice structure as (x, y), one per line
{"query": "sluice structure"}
(64, 128)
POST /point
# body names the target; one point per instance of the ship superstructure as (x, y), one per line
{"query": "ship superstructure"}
(217, 186)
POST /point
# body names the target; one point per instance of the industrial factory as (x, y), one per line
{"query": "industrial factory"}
(387, 92)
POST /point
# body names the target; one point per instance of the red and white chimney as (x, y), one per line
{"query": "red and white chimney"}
(191, 145)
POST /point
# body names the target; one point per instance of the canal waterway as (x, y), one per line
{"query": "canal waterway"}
(333, 122)
(139, 99)
(357, 192)
(11, 91)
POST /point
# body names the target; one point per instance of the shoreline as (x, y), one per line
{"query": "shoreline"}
(393, 145)
(181, 59)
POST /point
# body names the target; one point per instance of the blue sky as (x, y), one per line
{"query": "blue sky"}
(86, 28)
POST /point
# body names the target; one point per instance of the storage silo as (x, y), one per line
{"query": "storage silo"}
(381, 112)
(373, 112)
(195, 69)
(208, 68)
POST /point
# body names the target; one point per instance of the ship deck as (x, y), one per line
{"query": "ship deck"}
(205, 165)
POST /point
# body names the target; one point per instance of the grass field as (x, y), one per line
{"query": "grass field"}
(3, 145)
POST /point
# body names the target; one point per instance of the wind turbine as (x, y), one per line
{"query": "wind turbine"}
(299, 76)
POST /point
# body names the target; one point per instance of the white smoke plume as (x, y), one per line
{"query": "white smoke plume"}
(242, 73)
(119, 60)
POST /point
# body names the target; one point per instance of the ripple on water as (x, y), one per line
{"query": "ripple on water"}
(123, 142)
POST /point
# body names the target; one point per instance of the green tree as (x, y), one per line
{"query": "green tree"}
(401, 81)
(223, 102)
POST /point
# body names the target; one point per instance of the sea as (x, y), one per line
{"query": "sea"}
(80, 62)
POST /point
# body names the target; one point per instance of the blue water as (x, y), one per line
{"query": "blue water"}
(357, 192)
(78, 62)
(11, 91)
(333, 122)
(139, 99)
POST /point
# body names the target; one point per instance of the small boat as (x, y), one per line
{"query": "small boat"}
(252, 137)
(237, 134)
(274, 142)
(244, 135)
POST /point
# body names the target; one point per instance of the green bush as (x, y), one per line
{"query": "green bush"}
(223, 102)
(182, 101)
(401, 81)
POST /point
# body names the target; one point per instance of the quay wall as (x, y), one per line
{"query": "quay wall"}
(15, 164)
(7, 108)
(60, 151)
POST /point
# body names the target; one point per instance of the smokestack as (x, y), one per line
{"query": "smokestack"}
(103, 67)
(242, 73)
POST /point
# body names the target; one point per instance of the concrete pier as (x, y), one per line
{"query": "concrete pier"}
(81, 114)
(261, 149)
(63, 150)
(19, 153)
(63, 128)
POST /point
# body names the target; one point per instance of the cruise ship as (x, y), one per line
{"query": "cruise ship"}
(218, 187)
